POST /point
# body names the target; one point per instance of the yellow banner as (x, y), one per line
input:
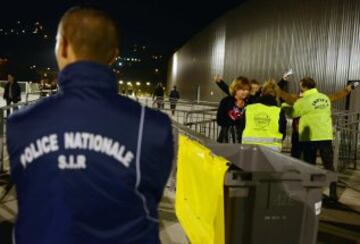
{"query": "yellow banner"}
(200, 192)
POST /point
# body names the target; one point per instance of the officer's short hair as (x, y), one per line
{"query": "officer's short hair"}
(308, 83)
(239, 83)
(92, 33)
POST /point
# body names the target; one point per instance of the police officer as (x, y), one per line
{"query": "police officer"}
(92, 165)
(315, 126)
(264, 121)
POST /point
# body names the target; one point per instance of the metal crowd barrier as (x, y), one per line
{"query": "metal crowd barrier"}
(43, 93)
(200, 118)
(346, 133)
(346, 140)
(4, 112)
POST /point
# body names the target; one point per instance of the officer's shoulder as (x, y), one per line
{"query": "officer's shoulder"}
(156, 116)
(151, 115)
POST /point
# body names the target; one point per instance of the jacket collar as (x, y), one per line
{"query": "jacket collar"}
(87, 74)
(267, 100)
(310, 92)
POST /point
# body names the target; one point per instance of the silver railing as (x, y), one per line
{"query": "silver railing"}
(346, 140)
(4, 113)
(200, 118)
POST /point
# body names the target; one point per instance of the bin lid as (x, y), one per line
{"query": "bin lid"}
(261, 159)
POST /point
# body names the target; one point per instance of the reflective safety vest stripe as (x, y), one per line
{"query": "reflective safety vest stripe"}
(263, 139)
(262, 126)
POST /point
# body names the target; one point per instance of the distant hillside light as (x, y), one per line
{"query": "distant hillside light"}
(121, 82)
(148, 83)
(138, 83)
(129, 83)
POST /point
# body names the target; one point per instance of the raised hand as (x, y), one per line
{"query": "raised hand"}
(217, 78)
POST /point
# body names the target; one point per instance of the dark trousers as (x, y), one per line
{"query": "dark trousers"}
(327, 157)
(9, 102)
(326, 153)
(172, 107)
(229, 134)
(296, 146)
(159, 102)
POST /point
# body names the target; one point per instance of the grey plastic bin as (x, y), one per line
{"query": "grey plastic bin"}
(270, 197)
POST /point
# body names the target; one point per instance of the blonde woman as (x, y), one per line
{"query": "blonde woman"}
(230, 110)
(264, 123)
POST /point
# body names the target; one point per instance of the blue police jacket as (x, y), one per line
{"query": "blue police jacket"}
(89, 165)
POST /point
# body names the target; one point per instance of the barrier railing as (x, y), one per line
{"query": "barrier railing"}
(4, 113)
(200, 118)
(346, 140)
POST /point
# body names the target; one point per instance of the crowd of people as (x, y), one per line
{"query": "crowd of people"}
(158, 97)
(256, 115)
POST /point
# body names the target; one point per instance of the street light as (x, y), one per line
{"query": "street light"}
(138, 83)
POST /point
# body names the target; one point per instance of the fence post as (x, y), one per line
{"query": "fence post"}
(357, 129)
(2, 140)
(337, 150)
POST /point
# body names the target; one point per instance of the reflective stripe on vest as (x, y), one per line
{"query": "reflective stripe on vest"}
(261, 140)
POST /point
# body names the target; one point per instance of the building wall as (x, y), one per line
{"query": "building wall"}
(261, 39)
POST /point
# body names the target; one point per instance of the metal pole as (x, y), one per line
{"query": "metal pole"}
(2, 140)
(337, 150)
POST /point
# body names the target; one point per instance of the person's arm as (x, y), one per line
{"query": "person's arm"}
(283, 93)
(6, 90)
(220, 115)
(18, 92)
(282, 124)
(283, 84)
(289, 98)
(221, 84)
(340, 94)
(242, 124)
(296, 110)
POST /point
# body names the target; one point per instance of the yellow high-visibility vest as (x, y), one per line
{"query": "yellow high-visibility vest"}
(314, 110)
(262, 126)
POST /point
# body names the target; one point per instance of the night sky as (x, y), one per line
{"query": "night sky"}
(162, 25)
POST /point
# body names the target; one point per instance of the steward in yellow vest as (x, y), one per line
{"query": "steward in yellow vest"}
(315, 126)
(264, 122)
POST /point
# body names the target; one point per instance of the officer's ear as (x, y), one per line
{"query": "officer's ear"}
(64, 47)
(113, 56)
